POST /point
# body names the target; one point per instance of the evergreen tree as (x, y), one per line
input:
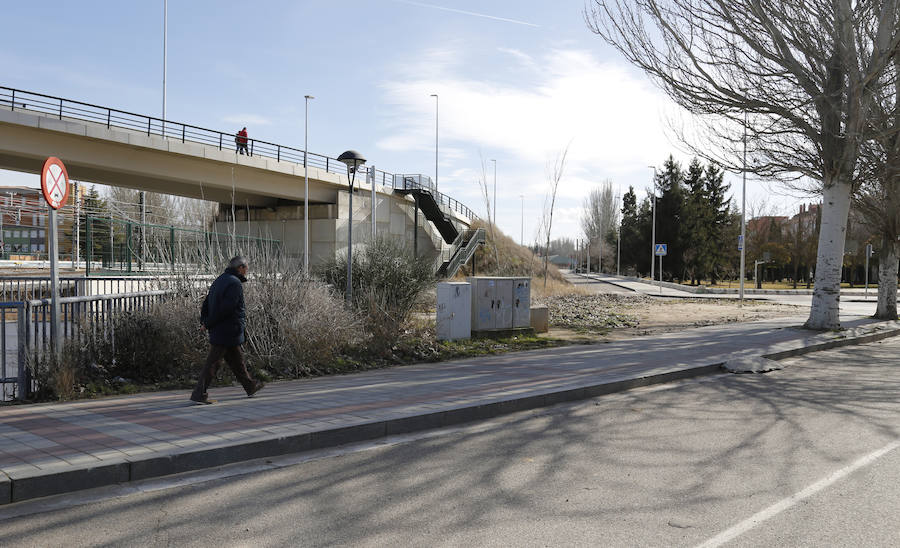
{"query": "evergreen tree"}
(93, 207)
(697, 223)
(722, 243)
(669, 212)
(635, 240)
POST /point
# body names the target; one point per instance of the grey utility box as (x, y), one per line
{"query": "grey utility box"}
(454, 316)
(500, 303)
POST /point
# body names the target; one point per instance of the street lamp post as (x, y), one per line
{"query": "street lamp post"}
(165, 56)
(494, 221)
(756, 264)
(587, 251)
(353, 160)
(436, 111)
(618, 249)
(305, 188)
(522, 230)
(744, 209)
(653, 229)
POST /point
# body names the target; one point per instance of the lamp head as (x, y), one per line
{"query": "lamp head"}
(353, 160)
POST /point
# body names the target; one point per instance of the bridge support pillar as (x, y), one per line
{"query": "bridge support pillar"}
(395, 218)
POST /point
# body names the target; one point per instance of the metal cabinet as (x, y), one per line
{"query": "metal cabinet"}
(454, 317)
(521, 302)
(500, 302)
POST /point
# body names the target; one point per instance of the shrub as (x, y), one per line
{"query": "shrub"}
(295, 326)
(387, 283)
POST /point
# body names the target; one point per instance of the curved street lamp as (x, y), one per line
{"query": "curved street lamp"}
(353, 160)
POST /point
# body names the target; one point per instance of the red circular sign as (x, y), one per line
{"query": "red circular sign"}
(55, 182)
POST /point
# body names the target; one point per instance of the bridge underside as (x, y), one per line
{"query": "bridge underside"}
(94, 153)
(258, 196)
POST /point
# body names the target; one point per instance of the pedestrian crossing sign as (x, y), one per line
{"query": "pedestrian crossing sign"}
(661, 249)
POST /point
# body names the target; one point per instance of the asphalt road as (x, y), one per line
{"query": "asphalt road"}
(806, 456)
(597, 286)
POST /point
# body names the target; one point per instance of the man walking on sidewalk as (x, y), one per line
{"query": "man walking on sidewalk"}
(224, 316)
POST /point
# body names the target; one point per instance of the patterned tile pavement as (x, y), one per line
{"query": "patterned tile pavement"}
(42, 447)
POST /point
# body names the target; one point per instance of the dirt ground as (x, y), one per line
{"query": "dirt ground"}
(635, 316)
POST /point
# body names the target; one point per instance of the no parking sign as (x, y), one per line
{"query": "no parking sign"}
(55, 182)
(55, 187)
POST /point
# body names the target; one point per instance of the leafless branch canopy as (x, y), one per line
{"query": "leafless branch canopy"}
(805, 73)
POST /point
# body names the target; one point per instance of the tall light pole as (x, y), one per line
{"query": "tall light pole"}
(618, 249)
(436, 112)
(165, 57)
(522, 230)
(353, 160)
(653, 229)
(305, 189)
(744, 209)
(495, 194)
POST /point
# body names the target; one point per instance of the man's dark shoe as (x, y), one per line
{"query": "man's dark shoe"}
(257, 386)
(202, 401)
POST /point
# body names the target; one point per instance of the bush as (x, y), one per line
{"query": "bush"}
(296, 326)
(387, 283)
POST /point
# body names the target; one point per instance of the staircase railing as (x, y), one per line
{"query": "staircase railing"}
(462, 250)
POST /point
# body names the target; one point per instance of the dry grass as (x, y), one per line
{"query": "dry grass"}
(514, 260)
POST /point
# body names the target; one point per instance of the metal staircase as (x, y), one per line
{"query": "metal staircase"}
(461, 251)
(430, 208)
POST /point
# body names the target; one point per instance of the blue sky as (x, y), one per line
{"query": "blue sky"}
(517, 80)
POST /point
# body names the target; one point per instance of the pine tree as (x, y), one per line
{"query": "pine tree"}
(696, 226)
(669, 212)
(722, 245)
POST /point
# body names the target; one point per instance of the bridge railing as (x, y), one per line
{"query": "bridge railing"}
(60, 108)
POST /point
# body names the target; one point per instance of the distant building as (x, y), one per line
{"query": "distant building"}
(23, 222)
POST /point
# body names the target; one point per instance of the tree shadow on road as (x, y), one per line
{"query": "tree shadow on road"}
(647, 467)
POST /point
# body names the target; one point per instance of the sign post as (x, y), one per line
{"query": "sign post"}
(55, 187)
(868, 254)
(660, 250)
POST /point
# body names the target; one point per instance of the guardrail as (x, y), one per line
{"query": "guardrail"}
(16, 99)
(25, 329)
(27, 288)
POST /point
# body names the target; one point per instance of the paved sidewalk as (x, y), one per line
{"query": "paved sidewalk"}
(61, 447)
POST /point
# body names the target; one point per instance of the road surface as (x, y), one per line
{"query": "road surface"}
(804, 456)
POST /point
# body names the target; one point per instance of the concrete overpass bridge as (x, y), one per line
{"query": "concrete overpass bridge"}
(260, 194)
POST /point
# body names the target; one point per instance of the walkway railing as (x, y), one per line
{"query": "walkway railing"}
(16, 99)
(25, 330)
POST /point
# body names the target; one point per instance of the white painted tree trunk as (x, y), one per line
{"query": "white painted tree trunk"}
(825, 312)
(887, 281)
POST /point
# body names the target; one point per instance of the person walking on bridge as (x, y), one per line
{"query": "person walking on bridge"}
(224, 316)
(240, 140)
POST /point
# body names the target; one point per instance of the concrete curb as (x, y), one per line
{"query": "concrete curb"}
(18, 489)
(33, 486)
(837, 343)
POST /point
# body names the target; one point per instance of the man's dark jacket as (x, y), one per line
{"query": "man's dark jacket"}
(223, 311)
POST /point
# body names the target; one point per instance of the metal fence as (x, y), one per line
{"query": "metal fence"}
(114, 245)
(57, 107)
(27, 288)
(25, 330)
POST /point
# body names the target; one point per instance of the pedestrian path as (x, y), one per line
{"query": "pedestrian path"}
(61, 447)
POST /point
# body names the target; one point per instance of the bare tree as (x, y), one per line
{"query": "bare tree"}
(554, 175)
(799, 76)
(878, 198)
(488, 209)
(600, 219)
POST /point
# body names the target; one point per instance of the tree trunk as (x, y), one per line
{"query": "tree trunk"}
(887, 281)
(825, 310)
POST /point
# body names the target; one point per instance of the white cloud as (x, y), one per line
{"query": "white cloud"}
(614, 121)
(248, 120)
